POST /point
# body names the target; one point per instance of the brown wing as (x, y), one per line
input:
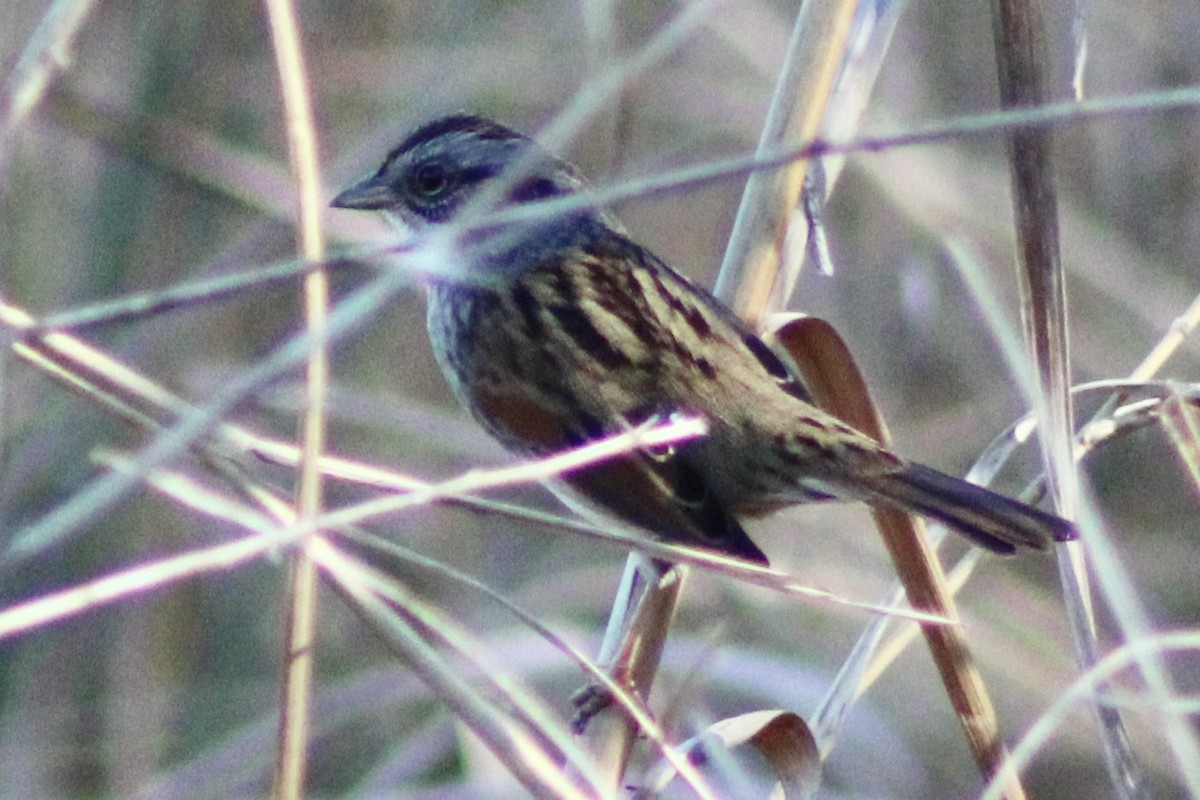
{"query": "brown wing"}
(665, 496)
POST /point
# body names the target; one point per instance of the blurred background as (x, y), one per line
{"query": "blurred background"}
(159, 157)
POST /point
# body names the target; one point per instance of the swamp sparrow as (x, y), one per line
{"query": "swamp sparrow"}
(560, 329)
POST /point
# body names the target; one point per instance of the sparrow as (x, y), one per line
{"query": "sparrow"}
(557, 329)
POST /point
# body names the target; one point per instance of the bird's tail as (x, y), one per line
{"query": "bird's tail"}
(988, 519)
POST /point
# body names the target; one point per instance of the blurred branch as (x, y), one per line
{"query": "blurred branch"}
(1089, 686)
(1022, 66)
(871, 653)
(49, 51)
(510, 720)
(190, 423)
(1023, 69)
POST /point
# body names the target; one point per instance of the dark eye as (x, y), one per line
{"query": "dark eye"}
(430, 179)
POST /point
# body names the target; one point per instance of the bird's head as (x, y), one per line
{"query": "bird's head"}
(432, 175)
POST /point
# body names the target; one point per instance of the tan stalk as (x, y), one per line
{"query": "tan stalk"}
(301, 615)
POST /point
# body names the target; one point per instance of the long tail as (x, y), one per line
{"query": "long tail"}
(988, 519)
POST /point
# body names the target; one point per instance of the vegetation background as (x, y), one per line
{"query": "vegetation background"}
(159, 157)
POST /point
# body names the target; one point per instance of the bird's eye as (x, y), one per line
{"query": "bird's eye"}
(431, 179)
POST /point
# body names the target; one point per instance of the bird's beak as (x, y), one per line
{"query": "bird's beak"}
(369, 194)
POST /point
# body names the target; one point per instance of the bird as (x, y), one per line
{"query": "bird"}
(557, 329)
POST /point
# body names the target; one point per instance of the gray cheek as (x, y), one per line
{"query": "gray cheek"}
(405, 221)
